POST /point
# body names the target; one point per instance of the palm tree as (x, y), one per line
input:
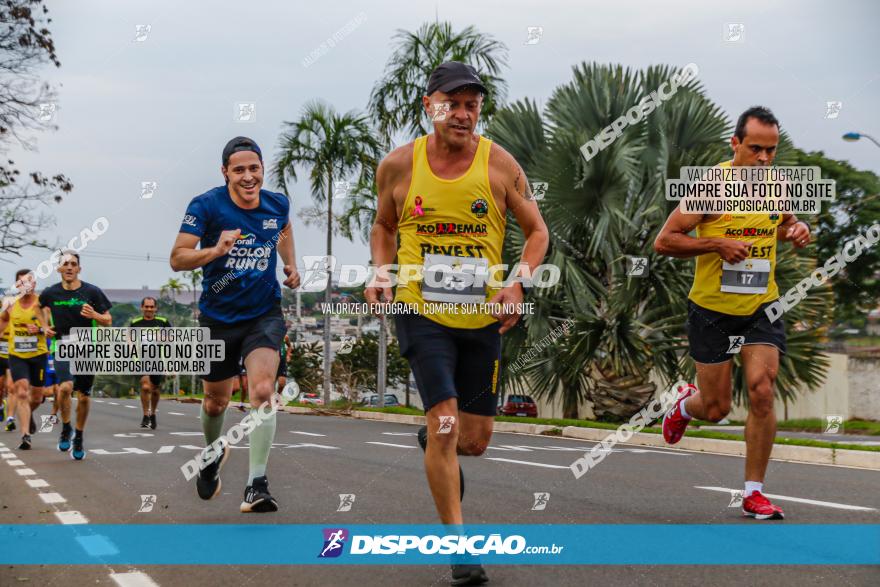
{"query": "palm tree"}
(396, 99)
(195, 279)
(333, 147)
(169, 292)
(625, 329)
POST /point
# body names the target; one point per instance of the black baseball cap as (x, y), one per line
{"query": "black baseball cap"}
(240, 144)
(452, 75)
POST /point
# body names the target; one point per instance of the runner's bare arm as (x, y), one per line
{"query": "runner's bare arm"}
(793, 230)
(519, 200)
(104, 319)
(287, 252)
(383, 235)
(674, 240)
(185, 256)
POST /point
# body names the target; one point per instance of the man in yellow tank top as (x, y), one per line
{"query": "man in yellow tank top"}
(27, 352)
(446, 195)
(733, 283)
(7, 398)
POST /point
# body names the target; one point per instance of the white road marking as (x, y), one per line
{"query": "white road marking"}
(307, 445)
(100, 401)
(113, 403)
(15, 463)
(306, 433)
(826, 504)
(132, 407)
(391, 444)
(164, 450)
(3, 449)
(71, 518)
(52, 497)
(186, 433)
(401, 433)
(133, 579)
(37, 483)
(176, 414)
(133, 435)
(25, 472)
(7, 455)
(136, 451)
(544, 465)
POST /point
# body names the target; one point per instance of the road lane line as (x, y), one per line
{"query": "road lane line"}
(37, 483)
(401, 433)
(133, 579)
(176, 414)
(826, 504)
(391, 444)
(132, 407)
(25, 472)
(7, 455)
(15, 463)
(113, 403)
(544, 465)
(71, 518)
(52, 497)
(306, 433)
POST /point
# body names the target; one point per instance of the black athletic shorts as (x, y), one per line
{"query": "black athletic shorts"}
(81, 383)
(32, 369)
(156, 380)
(714, 337)
(266, 331)
(452, 362)
(4, 365)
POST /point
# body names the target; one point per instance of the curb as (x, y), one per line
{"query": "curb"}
(781, 452)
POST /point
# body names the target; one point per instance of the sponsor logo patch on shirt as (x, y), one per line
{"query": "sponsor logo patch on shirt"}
(270, 223)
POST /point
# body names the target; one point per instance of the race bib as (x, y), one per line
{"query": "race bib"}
(4, 347)
(459, 280)
(25, 344)
(751, 276)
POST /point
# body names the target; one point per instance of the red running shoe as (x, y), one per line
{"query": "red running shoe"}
(674, 424)
(760, 508)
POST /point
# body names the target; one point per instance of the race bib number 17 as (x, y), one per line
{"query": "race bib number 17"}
(750, 276)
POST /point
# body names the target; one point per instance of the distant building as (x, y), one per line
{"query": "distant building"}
(134, 296)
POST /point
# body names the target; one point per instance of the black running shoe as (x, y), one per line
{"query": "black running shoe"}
(25, 442)
(10, 425)
(145, 421)
(423, 442)
(64, 441)
(33, 426)
(208, 480)
(468, 575)
(78, 453)
(153, 421)
(257, 498)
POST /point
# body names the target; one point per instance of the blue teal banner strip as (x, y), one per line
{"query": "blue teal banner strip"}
(312, 544)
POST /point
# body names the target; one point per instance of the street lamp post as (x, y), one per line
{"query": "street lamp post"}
(852, 137)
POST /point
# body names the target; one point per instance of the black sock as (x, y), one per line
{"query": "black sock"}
(66, 427)
(78, 434)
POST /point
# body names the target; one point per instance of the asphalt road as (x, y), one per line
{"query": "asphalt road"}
(315, 459)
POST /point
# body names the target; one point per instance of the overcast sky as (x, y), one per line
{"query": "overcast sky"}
(161, 109)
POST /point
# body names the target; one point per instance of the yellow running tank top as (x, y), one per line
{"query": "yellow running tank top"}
(451, 234)
(738, 289)
(4, 344)
(5, 303)
(22, 344)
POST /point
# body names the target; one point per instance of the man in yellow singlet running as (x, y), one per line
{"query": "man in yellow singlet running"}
(733, 284)
(447, 195)
(27, 352)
